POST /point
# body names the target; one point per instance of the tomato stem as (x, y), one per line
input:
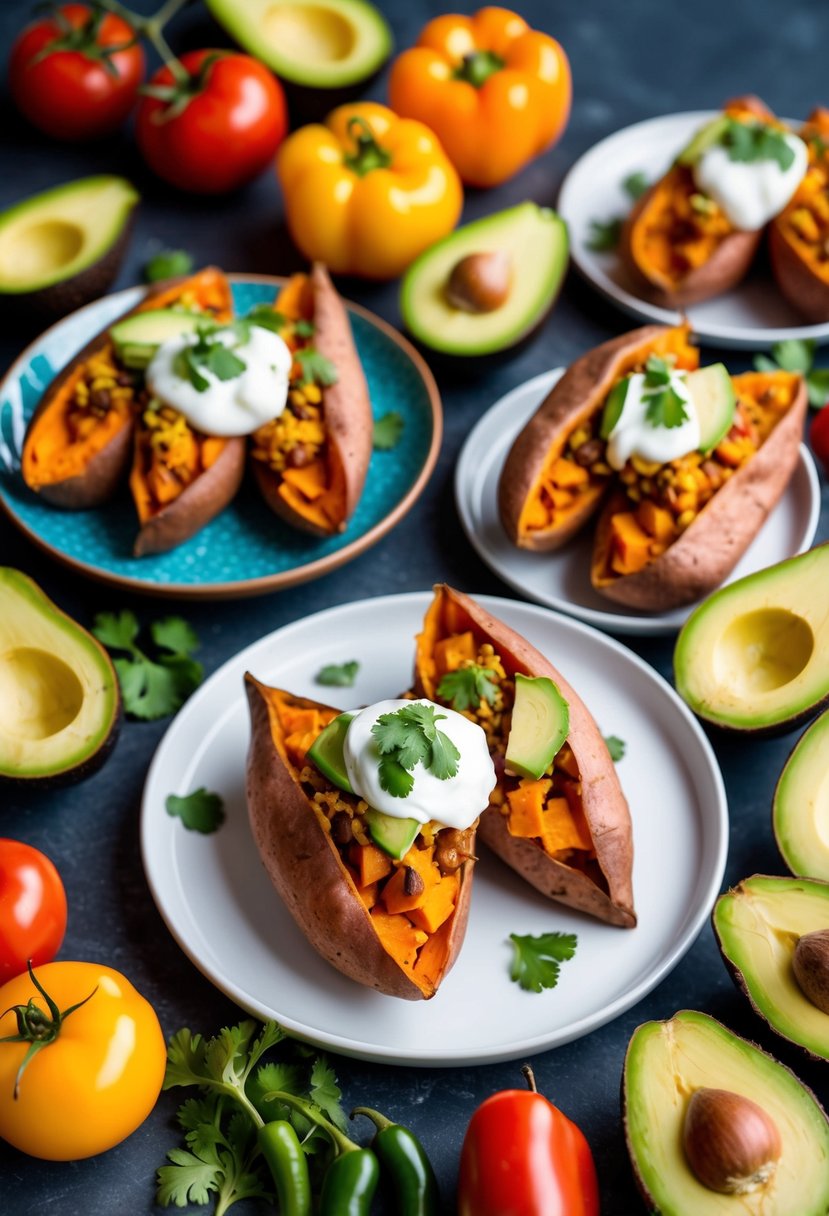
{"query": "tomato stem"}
(151, 28)
(35, 1027)
(529, 1077)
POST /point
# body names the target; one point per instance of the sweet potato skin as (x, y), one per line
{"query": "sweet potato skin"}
(805, 291)
(302, 863)
(604, 804)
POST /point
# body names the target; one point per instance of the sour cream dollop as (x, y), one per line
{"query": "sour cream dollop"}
(633, 435)
(454, 802)
(226, 407)
(750, 192)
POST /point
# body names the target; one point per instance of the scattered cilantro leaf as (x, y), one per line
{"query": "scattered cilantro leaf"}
(409, 736)
(316, 368)
(151, 688)
(304, 329)
(754, 141)
(635, 184)
(116, 631)
(604, 234)
(338, 675)
(175, 634)
(200, 811)
(467, 687)
(797, 355)
(167, 264)
(387, 431)
(188, 1179)
(275, 1075)
(616, 746)
(325, 1093)
(266, 318)
(537, 960)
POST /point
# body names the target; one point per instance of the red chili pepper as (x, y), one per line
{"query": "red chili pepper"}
(523, 1157)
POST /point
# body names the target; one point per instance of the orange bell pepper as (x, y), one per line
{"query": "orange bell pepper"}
(495, 92)
(368, 191)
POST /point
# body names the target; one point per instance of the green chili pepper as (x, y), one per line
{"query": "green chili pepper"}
(289, 1166)
(404, 1159)
(349, 1184)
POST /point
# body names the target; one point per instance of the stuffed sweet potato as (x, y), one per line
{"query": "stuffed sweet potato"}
(79, 441)
(568, 831)
(391, 923)
(311, 462)
(799, 236)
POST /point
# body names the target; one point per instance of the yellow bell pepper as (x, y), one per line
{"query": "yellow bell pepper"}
(367, 191)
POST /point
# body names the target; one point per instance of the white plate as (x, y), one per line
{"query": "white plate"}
(751, 316)
(562, 579)
(214, 895)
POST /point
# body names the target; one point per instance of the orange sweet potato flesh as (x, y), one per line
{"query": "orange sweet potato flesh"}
(577, 398)
(605, 891)
(800, 253)
(377, 948)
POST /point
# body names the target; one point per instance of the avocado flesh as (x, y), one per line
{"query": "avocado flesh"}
(539, 726)
(309, 42)
(536, 240)
(59, 700)
(758, 925)
(52, 237)
(712, 393)
(137, 338)
(395, 836)
(705, 138)
(755, 654)
(666, 1062)
(801, 804)
(326, 752)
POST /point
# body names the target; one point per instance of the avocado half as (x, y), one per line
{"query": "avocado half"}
(758, 925)
(666, 1063)
(534, 238)
(800, 811)
(754, 656)
(62, 248)
(60, 706)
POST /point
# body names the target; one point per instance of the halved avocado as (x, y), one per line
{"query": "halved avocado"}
(758, 924)
(539, 726)
(534, 238)
(800, 812)
(666, 1063)
(62, 248)
(59, 701)
(754, 656)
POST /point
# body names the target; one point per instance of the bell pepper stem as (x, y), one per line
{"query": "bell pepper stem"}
(379, 1121)
(369, 154)
(529, 1077)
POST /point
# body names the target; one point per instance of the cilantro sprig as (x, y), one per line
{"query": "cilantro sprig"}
(407, 737)
(151, 688)
(388, 431)
(167, 264)
(748, 142)
(338, 675)
(604, 234)
(537, 960)
(635, 184)
(798, 355)
(664, 406)
(467, 687)
(201, 811)
(211, 354)
(315, 368)
(616, 746)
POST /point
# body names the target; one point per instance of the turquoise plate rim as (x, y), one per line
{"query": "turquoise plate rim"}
(279, 580)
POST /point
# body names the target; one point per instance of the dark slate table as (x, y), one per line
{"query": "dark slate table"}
(630, 62)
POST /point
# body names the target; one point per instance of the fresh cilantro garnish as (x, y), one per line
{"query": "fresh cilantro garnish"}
(387, 431)
(316, 369)
(616, 746)
(325, 1093)
(752, 141)
(604, 234)
(304, 329)
(209, 354)
(664, 406)
(467, 687)
(167, 264)
(797, 355)
(338, 675)
(537, 960)
(266, 318)
(635, 184)
(819, 144)
(151, 688)
(220, 1159)
(200, 811)
(407, 737)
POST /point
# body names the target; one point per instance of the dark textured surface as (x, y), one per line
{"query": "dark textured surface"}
(630, 62)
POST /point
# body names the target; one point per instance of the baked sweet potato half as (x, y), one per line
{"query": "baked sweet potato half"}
(393, 925)
(568, 833)
(78, 443)
(311, 462)
(799, 236)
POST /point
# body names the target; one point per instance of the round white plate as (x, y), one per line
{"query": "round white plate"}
(218, 903)
(751, 316)
(562, 579)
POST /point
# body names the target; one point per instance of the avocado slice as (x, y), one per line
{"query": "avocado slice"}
(715, 401)
(395, 836)
(60, 706)
(62, 248)
(138, 337)
(800, 811)
(666, 1063)
(326, 752)
(324, 45)
(613, 407)
(534, 237)
(758, 924)
(754, 656)
(540, 722)
(704, 139)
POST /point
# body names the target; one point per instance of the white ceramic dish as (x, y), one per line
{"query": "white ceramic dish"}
(562, 579)
(217, 901)
(752, 316)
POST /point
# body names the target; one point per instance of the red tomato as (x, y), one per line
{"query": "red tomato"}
(819, 437)
(217, 131)
(32, 908)
(63, 80)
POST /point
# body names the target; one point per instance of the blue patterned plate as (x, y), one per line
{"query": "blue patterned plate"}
(246, 549)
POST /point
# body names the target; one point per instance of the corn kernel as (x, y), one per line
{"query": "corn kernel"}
(313, 393)
(647, 468)
(686, 501)
(685, 519)
(579, 436)
(601, 469)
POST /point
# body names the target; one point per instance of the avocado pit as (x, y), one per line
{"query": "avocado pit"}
(810, 963)
(732, 1145)
(480, 282)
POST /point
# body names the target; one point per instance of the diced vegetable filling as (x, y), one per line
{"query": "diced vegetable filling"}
(681, 229)
(806, 219)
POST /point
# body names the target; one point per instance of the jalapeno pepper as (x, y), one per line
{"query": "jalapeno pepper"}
(288, 1165)
(404, 1159)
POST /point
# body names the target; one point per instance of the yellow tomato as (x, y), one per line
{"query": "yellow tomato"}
(97, 1080)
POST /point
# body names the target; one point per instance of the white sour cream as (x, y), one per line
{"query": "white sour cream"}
(455, 802)
(227, 407)
(633, 435)
(750, 192)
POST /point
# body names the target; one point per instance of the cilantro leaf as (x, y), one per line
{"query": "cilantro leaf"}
(467, 687)
(390, 731)
(445, 757)
(167, 264)
(116, 631)
(665, 408)
(635, 184)
(288, 1078)
(315, 368)
(407, 737)
(797, 355)
(304, 329)
(266, 318)
(338, 675)
(415, 750)
(754, 141)
(394, 778)
(189, 1179)
(604, 234)
(387, 431)
(200, 811)
(536, 961)
(325, 1093)
(223, 363)
(175, 634)
(151, 689)
(616, 746)
(657, 371)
